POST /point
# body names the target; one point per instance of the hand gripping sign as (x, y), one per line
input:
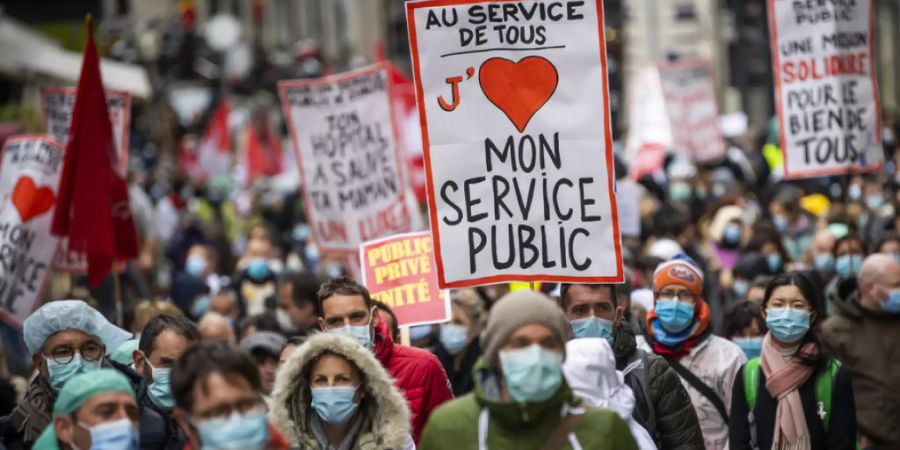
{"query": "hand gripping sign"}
(350, 163)
(513, 104)
(825, 89)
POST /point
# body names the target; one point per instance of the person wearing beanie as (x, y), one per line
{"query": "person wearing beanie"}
(678, 329)
(521, 400)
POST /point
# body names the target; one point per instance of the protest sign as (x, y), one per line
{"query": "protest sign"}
(690, 94)
(57, 104)
(351, 166)
(30, 167)
(513, 104)
(400, 271)
(825, 90)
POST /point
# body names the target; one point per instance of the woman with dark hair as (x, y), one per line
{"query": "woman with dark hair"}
(795, 395)
(770, 246)
(745, 327)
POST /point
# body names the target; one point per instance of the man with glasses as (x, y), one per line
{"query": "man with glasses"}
(678, 329)
(66, 338)
(97, 410)
(346, 307)
(163, 340)
(219, 402)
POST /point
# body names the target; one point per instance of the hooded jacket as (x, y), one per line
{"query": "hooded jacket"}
(868, 344)
(518, 426)
(418, 374)
(716, 362)
(385, 415)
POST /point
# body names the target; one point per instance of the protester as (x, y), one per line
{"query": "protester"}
(890, 245)
(821, 254)
(750, 266)
(265, 347)
(745, 326)
(163, 341)
(149, 309)
(191, 283)
(65, 338)
(520, 398)
(807, 400)
(225, 302)
(332, 394)
(96, 410)
(387, 314)
(662, 406)
(590, 370)
(215, 327)
(458, 348)
(863, 331)
(255, 283)
(678, 329)
(219, 402)
(292, 344)
(346, 307)
(296, 312)
(795, 226)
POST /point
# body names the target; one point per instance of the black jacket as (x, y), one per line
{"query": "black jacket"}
(841, 433)
(461, 381)
(677, 426)
(158, 430)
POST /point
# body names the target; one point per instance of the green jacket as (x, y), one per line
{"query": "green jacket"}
(454, 425)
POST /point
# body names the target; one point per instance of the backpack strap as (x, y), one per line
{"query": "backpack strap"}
(823, 391)
(562, 432)
(751, 382)
(701, 387)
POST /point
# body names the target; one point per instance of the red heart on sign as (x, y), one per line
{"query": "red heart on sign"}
(31, 201)
(518, 89)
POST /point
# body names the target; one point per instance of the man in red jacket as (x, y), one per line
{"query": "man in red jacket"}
(346, 307)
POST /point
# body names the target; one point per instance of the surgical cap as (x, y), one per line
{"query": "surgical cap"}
(86, 385)
(125, 353)
(70, 315)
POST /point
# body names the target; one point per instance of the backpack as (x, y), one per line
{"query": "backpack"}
(636, 371)
(823, 392)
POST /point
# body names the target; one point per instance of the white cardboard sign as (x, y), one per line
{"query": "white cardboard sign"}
(825, 90)
(513, 103)
(351, 166)
(690, 94)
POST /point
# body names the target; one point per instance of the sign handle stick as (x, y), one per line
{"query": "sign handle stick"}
(117, 294)
(532, 286)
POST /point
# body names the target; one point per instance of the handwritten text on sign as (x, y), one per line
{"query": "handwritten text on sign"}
(825, 86)
(29, 174)
(400, 271)
(690, 94)
(513, 101)
(349, 157)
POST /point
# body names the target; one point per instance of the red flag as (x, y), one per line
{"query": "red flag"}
(214, 149)
(92, 208)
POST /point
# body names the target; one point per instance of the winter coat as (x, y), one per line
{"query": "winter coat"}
(841, 432)
(385, 415)
(590, 370)
(418, 374)
(460, 380)
(677, 426)
(518, 426)
(868, 345)
(158, 429)
(716, 362)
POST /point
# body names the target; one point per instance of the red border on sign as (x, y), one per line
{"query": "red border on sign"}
(38, 300)
(284, 85)
(773, 31)
(426, 147)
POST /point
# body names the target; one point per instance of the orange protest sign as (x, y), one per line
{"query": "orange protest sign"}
(400, 271)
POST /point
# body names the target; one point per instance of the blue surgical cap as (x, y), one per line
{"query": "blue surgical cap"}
(70, 315)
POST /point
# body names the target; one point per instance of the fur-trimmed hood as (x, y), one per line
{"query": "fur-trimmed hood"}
(386, 414)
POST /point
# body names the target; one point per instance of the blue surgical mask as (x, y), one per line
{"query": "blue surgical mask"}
(453, 337)
(824, 262)
(874, 202)
(788, 325)
(854, 192)
(773, 262)
(362, 334)
(60, 373)
(752, 346)
(200, 306)
(116, 435)
(674, 315)
(732, 235)
(896, 256)
(680, 191)
(892, 304)
(160, 390)
(237, 432)
(195, 266)
(334, 405)
(593, 327)
(419, 332)
(258, 269)
(532, 374)
(740, 288)
(848, 266)
(780, 222)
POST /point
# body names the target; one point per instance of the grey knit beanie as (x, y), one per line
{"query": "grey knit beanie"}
(517, 309)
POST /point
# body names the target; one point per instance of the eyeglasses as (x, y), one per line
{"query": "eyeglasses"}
(241, 406)
(64, 354)
(684, 296)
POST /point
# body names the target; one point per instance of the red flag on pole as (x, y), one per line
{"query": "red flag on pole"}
(92, 209)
